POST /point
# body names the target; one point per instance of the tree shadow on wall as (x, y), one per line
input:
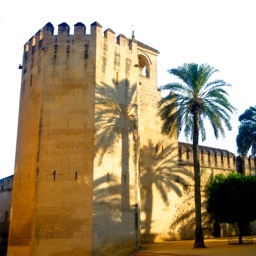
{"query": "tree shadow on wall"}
(108, 219)
(183, 226)
(107, 195)
(184, 221)
(159, 169)
(116, 122)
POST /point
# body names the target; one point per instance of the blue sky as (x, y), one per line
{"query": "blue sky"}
(220, 33)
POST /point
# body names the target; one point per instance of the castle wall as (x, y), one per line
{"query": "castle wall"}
(167, 189)
(158, 154)
(115, 231)
(213, 161)
(93, 173)
(63, 146)
(24, 183)
(5, 206)
(54, 159)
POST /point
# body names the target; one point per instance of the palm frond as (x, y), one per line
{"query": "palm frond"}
(195, 92)
(246, 137)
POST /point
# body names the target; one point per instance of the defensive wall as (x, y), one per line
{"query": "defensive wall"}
(216, 158)
(93, 173)
(68, 84)
(5, 207)
(219, 161)
(213, 161)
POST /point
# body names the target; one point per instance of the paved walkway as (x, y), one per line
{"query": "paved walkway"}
(215, 247)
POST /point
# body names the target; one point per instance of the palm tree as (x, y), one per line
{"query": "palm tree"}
(190, 101)
(246, 137)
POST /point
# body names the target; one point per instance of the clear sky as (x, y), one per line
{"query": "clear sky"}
(220, 33)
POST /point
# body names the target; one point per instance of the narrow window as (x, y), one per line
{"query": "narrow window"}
(143, 66)
(55, 51)
(68, 49)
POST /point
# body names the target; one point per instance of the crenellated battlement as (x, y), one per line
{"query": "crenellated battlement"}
(209, 157)
(246, 165)
(6, 183)
(64, 47)
(217, 158)
(42, 37)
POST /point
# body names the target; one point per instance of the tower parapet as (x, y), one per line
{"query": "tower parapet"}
(46, 41)
(109, 34)
(63, 29)
(79, 29)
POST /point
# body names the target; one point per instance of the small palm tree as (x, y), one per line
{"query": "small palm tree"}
(246, 137)
(188, 103)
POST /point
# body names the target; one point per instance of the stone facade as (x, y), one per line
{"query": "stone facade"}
(170, 213)
(87, 106)
(93, 173)
(5, 206)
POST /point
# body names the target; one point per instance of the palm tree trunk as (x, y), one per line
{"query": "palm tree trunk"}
(242, 225)
(199, 238)
(125, 179)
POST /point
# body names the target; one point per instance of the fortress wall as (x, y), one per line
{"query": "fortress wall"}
(209, 157)
(181, 221)
(250, 165)
(60, 75)
(115, 169)
(159, 171)
(91, 163)
(5, 206)
(24, 183)
(65, 164)
(180, 224)
(55, 145)
(167, 190)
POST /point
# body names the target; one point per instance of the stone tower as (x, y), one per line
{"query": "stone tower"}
(87, 109)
